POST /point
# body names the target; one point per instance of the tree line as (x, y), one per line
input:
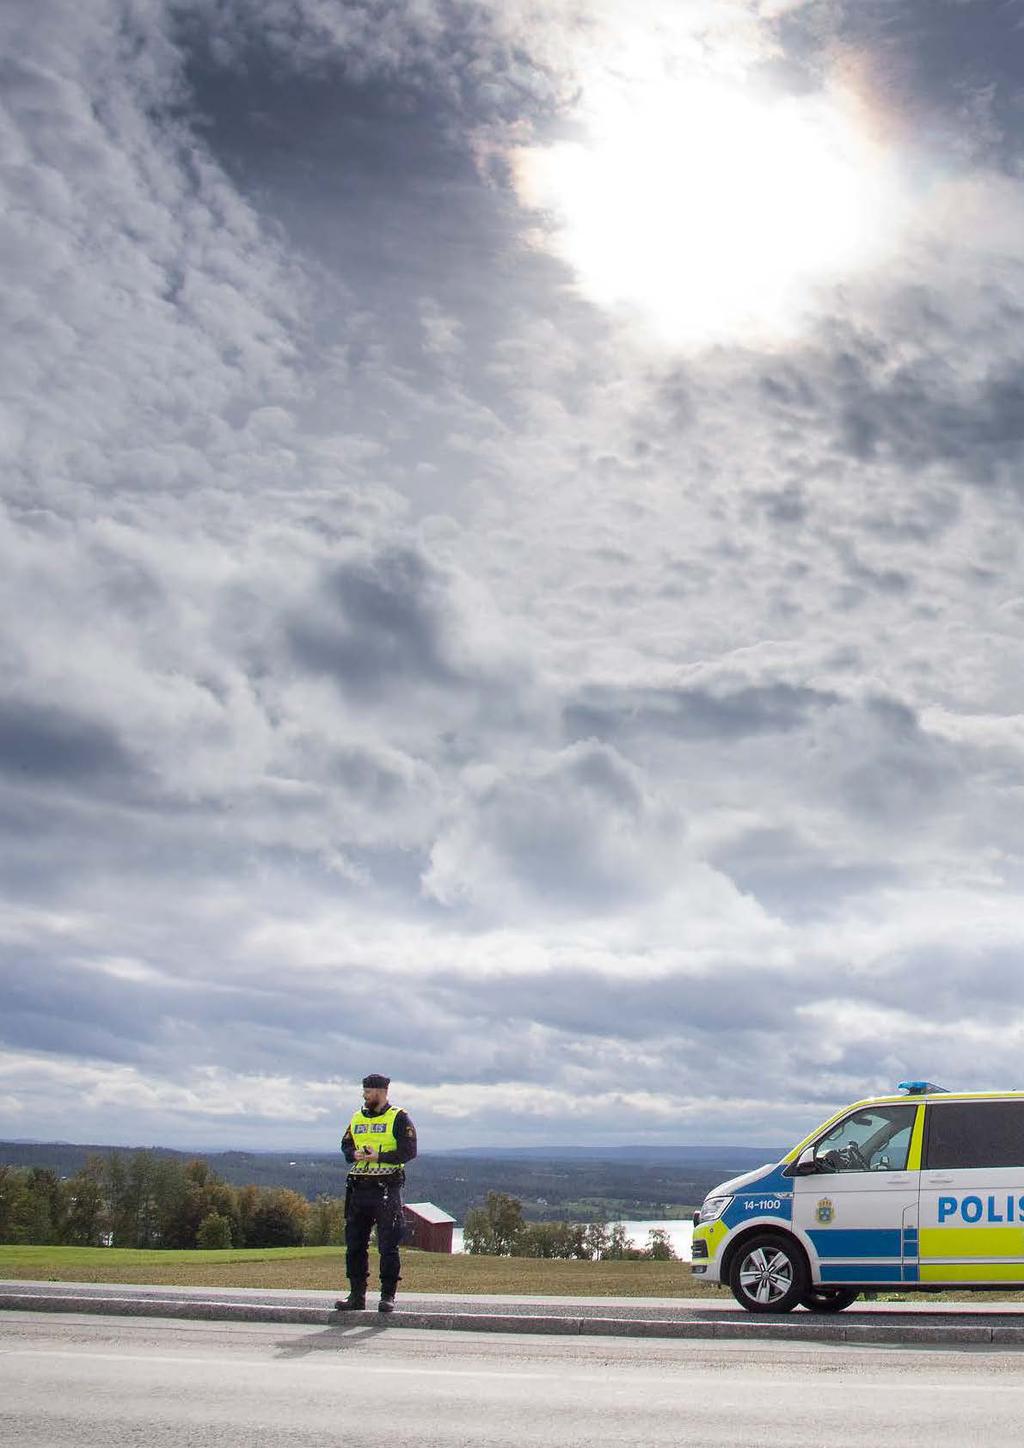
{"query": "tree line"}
(147, 1200)
(499, 1229)
(562, 1189)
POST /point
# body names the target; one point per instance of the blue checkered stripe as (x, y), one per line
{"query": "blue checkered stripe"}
(867, 1254)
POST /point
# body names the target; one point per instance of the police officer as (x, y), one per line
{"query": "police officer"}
(378, 1141)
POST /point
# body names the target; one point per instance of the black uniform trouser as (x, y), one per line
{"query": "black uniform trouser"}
(368, 1205)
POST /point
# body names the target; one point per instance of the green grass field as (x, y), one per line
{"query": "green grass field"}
(322, 1268)
(319, 1269)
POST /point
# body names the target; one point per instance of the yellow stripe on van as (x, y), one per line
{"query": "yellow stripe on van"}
(972, 1272)
(971, 1242)
(713, 1234)
(916, 1140)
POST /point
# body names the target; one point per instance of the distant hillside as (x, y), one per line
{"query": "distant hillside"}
(748, 1156)
(581, 1184)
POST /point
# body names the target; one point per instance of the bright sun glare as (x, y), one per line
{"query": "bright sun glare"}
(707, 212)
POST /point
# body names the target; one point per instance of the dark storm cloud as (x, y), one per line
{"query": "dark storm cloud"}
(565, 832)
(42, 743)
(108, 1008)
(996, 979)
(918, 393)
(52, 1006)
(363, 155)
(787, 506)
(96, 1009)
(636, 1009)
(603, 712)
(382, 624)
(924, 410)
(902, 773)
(367, 151)
(876, 580)
(793, 878)
(43, 843)
(950, 69)
(544, 829)
(455, 49)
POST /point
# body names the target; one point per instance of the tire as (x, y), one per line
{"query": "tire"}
(828, 1299)
(768, 1273)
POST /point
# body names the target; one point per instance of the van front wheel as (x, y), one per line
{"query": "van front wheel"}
(768, 1274)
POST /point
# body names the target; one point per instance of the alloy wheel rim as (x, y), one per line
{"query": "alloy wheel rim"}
(766, 1276)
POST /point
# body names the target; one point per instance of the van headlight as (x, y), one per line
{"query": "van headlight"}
(713, 1208)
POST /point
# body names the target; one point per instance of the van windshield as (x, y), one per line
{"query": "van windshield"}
(876, 1138)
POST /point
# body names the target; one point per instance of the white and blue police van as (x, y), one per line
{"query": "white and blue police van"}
(914, 1192)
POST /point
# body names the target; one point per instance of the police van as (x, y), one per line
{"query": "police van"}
(917, 1191)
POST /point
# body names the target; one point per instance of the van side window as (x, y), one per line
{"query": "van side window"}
(876, 1138)
(975, 1134)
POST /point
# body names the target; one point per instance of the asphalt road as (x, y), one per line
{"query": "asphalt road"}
(87, 1381)
(925, 1322)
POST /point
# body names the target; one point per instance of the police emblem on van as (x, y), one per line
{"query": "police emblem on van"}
(826, 1211)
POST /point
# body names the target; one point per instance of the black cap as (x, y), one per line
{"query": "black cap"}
(381, 1082)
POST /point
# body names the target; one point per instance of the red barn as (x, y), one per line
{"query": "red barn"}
(427, 1227)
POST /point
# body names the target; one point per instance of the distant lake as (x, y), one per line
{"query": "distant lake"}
(680, 1234)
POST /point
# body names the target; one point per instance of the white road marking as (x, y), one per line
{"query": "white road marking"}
(116, 1357)
(507, 1374)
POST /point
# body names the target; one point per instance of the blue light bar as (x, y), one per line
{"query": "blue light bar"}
(922, 1088)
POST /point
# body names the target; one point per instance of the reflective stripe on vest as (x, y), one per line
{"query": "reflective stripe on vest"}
(378, 1131)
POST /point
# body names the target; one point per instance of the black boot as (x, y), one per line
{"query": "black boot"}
(354, 1302)
(387, 1301)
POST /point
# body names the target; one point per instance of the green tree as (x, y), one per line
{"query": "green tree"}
(213, 1233)
(119, 1213)
(199, 1172)
(143, 1199)
(495, 1228)
(544, 1239)
(596, 1238)
(197, 1193)
(325, 1224)
(132, 1199)
(12, 1188)
(178, 1210)
(564, 1240)
(39, 1209)
(659, 1246)
(616, 1243)
(279, 1220)
(223, 1199)
(85, 1206)
(248, 1201)
(24, 1216)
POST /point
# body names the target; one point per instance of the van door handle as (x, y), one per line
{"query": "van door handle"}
(938, 1181)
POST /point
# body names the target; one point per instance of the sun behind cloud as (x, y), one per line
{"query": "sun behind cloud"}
(708, 209)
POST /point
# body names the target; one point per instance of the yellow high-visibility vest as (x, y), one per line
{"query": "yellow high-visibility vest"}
(378, 1131)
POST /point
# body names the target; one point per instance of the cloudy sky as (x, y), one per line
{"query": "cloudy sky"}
(510, 564)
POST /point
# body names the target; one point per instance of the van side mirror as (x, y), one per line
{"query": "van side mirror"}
(805, 1164)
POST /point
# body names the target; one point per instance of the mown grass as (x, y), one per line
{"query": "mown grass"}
(318, 1269)
(322, 1268)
